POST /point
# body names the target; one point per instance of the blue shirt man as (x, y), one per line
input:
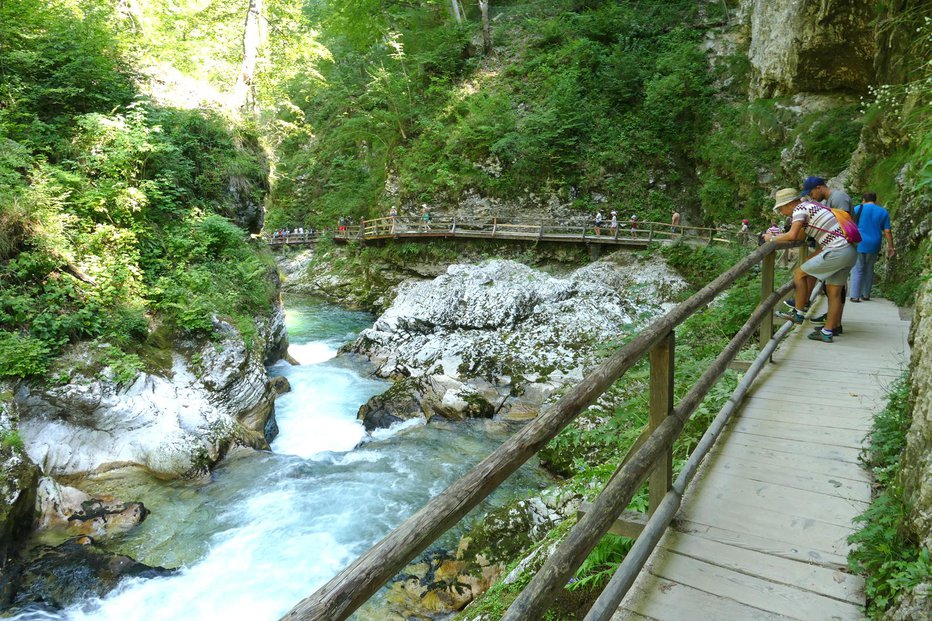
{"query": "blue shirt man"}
(874, 224)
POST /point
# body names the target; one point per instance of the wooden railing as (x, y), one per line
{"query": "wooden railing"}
(648, 460)
(491, 228)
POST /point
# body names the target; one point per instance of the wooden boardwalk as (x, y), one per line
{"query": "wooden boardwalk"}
(762, 531)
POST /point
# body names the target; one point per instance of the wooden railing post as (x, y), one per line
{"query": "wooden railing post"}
(661, 406)
(494, 226)
(453, 228)
(766, 288)
(650, 232)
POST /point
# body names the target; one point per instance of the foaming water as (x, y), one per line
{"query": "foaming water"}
(269, 528)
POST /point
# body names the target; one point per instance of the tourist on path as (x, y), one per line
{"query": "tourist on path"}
(393, 216)
(832, 264)
(599, 221)
(874, 224)
(675, 222)
(425, 216)
(634, 225)
(614, 223)
(815, 188)
(744, 235)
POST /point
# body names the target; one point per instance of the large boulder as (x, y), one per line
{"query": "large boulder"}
(174, 424)
(71, 512)
(51, 578)
(500, 338)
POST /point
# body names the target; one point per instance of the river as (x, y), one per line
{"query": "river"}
(268, 528)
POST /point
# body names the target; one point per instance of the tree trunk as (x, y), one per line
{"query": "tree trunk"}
(455, 8)
(244, 93)
(486, 28)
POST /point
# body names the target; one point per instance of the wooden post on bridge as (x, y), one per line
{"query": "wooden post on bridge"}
(650, 232)
(766, 288)
(661, 406)
(494, 226)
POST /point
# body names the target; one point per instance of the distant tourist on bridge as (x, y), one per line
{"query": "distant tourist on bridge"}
(393, 217)
(614, 223)
(634, 225)
(832, 264)
(874, 224)
(675, 222)
(599, 221)
(744, 235)
(425, 216)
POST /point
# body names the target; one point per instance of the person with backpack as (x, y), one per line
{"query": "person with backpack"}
(815, 188)
(874, 224)
(831, 264)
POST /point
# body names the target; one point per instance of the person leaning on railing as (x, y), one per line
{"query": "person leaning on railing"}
(831, 264)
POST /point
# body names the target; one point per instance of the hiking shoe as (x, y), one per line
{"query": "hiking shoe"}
(791, 304)
(855, 299)
(820, 320)
(791, 316)
(818, 335)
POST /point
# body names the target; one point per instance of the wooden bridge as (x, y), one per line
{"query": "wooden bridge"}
(762, 532)
(402, 228)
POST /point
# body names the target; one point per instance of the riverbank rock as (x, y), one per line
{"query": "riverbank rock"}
(51, 578)
(500, 338)
(19, 479)
(174, 424)
(70, 511)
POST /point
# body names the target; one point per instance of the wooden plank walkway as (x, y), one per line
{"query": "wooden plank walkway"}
(762, 531)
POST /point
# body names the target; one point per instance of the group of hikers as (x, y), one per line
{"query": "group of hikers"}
(613, 223)
(849, 240)
(285, 233)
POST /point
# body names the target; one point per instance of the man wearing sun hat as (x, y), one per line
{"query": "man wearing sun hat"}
(832, 264)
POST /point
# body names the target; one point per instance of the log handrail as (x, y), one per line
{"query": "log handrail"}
(349, 589)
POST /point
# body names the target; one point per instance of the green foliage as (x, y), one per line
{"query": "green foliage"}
(123, 367)
(886, 551)
(22, 356)
(11, 440)
(829, 137)
(115, 213)
(578, 107)
(601, 563)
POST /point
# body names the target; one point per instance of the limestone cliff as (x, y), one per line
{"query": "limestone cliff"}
(812, 47)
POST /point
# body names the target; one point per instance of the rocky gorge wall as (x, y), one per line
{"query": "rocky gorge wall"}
(173, 423)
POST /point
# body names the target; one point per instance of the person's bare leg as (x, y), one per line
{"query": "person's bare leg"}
(834, 306)
(800, 279)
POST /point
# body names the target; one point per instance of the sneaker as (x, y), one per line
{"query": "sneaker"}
(790, 303)
(820, 320)
(818, 335)
(855, 299)
(791, 316)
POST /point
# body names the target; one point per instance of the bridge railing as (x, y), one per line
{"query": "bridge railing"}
(405, 226)
(650, 459)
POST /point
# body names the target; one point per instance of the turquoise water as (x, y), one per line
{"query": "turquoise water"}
(267, 529)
